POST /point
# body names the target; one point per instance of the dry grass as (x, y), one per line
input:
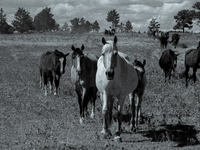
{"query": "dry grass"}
(30, 120)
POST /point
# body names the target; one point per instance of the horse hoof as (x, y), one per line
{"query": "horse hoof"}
(81, 120)
(118, 139)
(106, 133)
(92, 116)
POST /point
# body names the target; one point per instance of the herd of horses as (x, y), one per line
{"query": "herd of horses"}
(112, 74)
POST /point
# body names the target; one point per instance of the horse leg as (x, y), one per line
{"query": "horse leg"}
(106, 116)
(94, 96)
(170, 73)
(194, 73)
(51, 84)
(137, 109)
(41, 79)
(78, 92)
(120, 105)
(131, 97)
(186, 74)
(56, 80)
(45, 84)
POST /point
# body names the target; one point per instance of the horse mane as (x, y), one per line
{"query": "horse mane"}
(111, 45)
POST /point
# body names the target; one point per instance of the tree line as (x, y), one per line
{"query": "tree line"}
(44, 21)
(184, 19)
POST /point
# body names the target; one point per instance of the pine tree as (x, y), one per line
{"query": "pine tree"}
(128, 26)
(95, 26)
(183, 20)
(23, 21)
(44, 21)
(113, 17)
(154, 25)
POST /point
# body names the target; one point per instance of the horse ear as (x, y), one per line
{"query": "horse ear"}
(103, 41)
(73, 48)
(66, 54)
(115, 39)
(144, 62)
(82, 47)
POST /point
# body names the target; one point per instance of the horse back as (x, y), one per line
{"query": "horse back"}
(192, 57)
(47, 62)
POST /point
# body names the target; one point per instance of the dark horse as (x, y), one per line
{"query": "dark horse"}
(139, 91)
(168, 62)
(192, 59)
(83, 73)
(52, 66)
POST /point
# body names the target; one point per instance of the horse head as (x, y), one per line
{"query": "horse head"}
(109, 54)
(61, 61)
(77, 58)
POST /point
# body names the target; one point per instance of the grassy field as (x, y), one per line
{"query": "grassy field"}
(29, 120)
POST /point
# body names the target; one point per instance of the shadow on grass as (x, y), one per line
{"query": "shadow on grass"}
(184, 135)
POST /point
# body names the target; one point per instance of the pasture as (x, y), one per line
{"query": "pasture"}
(29, 120)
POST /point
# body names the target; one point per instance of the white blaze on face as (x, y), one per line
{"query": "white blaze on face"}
(139, 69)
(61, 64)
(78, 67)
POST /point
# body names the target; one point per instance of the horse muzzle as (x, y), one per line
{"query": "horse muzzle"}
(79, 71)
(110, 74)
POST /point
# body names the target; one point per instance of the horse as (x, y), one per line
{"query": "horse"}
(164, 39)
(139, 91)
(192, 59)
(168, 62)
(52, 66)
(115, 79)
(83, 71)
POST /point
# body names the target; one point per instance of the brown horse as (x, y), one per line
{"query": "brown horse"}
(192, 59)
(139, 91)
(83, 71)
(52, 66)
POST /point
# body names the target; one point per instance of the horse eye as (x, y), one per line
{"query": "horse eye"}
(115, 53)
(102, 54)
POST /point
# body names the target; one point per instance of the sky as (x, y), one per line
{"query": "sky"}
(138, 12)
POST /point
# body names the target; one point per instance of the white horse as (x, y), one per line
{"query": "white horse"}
(115, 79)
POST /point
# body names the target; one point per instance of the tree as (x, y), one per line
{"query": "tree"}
(95, 26)
(80, 25)
(113, 17)
(2, 19)
(44, 21)
(154, 25)
(122, 27)
(183, 20)
(87, 26)
(66, 27)
(196, 14)
(128, 26)
(23, 21)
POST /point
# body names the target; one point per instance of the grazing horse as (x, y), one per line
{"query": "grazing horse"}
(192, 59)
(139, 91)
(175, 39)
(164, 39)
(52, 66)
(168, 62)
(115, 78)
(83, 71)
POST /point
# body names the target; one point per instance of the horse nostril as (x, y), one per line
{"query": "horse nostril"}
(78, 71)
(109, 73)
